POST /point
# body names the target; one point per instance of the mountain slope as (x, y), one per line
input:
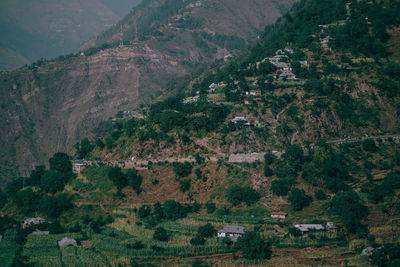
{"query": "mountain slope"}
(31, 30)
(50, 105)
(297, 142)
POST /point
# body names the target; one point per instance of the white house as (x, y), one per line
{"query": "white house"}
(231, 231)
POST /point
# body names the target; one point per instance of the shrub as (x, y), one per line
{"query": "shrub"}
(184, 185)
(3, 199)
(197, 241)
(200, 263)
(161, 234)
(207, 230)
(134, 180)
(210, 206)
(387, 255)
(369, 145)
(136, 245)
(268, 171)
(298, 199)
(320, 194)
(279, 188)
(144, 211)
(174, 210)
(349, 207)
(182, 169)
(237, 195)
(52, 181)
(253, 246)
(119, 179)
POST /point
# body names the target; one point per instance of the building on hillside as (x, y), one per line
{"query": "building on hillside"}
(78, 166)
(65, 242)
(282, 66)
(306, 228)
(38, 232)
(86, 243)
(330, 226)
(212, 87)
(279, 215)
(303, 62)
(241, 120)
(192, 99)
(258, 123)
(33, 221)
(287, 75)
(289, 50)
(231, 231)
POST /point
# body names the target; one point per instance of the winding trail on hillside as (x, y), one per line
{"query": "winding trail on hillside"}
(233, 158)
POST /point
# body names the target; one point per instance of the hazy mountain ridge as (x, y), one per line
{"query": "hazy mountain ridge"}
(51, 105)
(31, 30)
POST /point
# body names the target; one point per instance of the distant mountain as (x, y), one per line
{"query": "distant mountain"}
(34, 29)
(120, 7)
(49, 106)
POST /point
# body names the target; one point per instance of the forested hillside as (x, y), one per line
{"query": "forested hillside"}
(286, 155)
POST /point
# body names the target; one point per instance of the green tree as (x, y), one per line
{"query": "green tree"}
(158, 211)
(182, 169)
(52, 181)
(27, 201)
(83, 148)
(349, 207)
(184, 185)
(55, 206)
(386, 256)
(294, 155)
(144, 211)
(268, 171)
(207, 230)
(118, 177)
(174, 210)
(3, 199)
(298, 199)
(14, 186)
(279, 188)
(253, 246)
(320, 194)
(61, 163)
(134, 180)
(36, 175)
(210, 206)
(369, 145)
(236, 195)
(197, 241)
(161, 234)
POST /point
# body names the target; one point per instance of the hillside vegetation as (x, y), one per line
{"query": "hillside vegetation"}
(148, 53)
(305, 123)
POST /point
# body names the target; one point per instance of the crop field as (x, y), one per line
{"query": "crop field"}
(8, 249)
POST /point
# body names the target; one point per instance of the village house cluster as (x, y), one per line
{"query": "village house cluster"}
(280, 61)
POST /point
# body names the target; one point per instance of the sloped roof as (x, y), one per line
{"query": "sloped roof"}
(65, 242)
(233, 229)
(308, 227)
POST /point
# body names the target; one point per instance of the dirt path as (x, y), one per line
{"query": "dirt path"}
(233, 158)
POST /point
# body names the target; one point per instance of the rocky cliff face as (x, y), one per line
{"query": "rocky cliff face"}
(49, 106)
